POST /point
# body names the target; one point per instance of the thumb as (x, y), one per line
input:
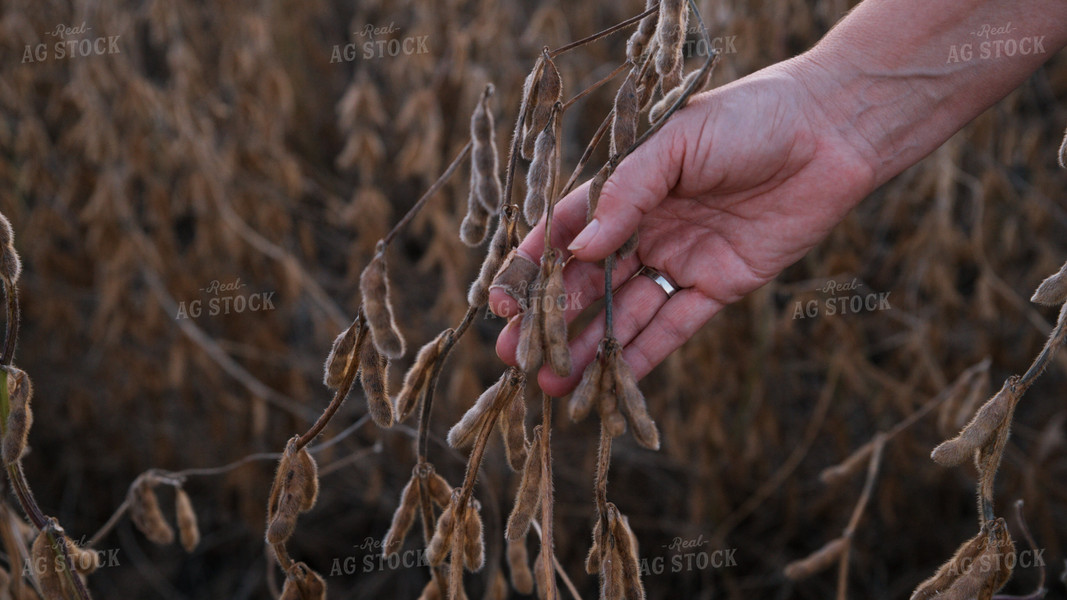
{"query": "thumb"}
(640, 182)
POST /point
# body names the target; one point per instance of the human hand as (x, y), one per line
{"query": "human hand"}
(733, 189)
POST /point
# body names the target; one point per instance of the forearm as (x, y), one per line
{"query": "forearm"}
(899, 77)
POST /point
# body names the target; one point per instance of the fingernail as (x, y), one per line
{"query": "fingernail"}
(585, 236)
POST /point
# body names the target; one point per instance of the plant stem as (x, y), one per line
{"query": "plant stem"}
(595, 86)
(548, 551)
(600, 34)
(437, 185)
(11, 333)
(342, 391)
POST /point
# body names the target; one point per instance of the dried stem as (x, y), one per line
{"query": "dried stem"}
(593, 143)
(547, 497)
(857, 513)
(11, 332)
(596, 36)
(338, 398)
(595, 86)
(437, 185)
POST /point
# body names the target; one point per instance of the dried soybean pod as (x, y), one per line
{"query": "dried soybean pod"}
(86, 560)
(484, 158)
(817, 561)
(519, 566)
(440, 491)
(441, 542)
(530, 350)
(611, 576)
(402, 518)
(1052, 291)
(607, 401)
(585, 395)
(295, 490)
(7, 233)
(634, 406)
(624, 117)
(529, 493)
(498, 590)
(626, 547)
(504, 238)
(980, 430)
(188, 527)
(1063, 151)
(431, 591)
(554, 328)
(516, 275)
(529, 99)
(466, 430)
(377, 305)
(473, 540)
(592, 560)
(669, 98)
(548, 91)
(513, 430)
(146, 514)
(10, 264)
(302, 583)
(635, 46)
(541, 583)
(596, 186)
(374, 368)
(950, 571)
(476, 223)
(342, 354)
(53, 582)
(417, 377)
(670, 34)
(20, 417)
(540, 176)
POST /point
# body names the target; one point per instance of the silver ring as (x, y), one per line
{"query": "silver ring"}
(661, 280)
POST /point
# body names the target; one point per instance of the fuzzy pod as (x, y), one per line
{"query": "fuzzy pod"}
(403, 518)
(633, 404)
(473, 540)
(1063, 152)
(343, 354)
(607, 401)
(7, 233)
(10, 264)
(431, 591)
(418, 376)
(670, 34)
(302, 583)
(596, 186)
(986, 422)
(146, 514)
(476, 223)
(441, 542)
(504, 239)
(295, 490)
(989, 571)
(541, 581)
(612, 580)
(661, 107)
(553, 305)
(540, 177)
(585, 396)
(54, 583)
(85, 560)
(373, 373)
(378, 307)
(624, 119)
(466, 430)
(530, 350)
(188, 526)
(646, 85)
(20, 417)
(949, 572)
(513, 430)
(546, 93)
(817, 561)
(630, 563)
(515, 276)
(485, 161)
(519, 566)
(528, 496)
(529, 99)
(1052, 291)
(440, 491)
(498, 590)
(635, 46)
(592, 559)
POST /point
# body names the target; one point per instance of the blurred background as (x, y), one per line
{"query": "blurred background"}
(252, 153)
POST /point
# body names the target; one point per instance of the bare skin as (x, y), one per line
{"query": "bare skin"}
(747, 178)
